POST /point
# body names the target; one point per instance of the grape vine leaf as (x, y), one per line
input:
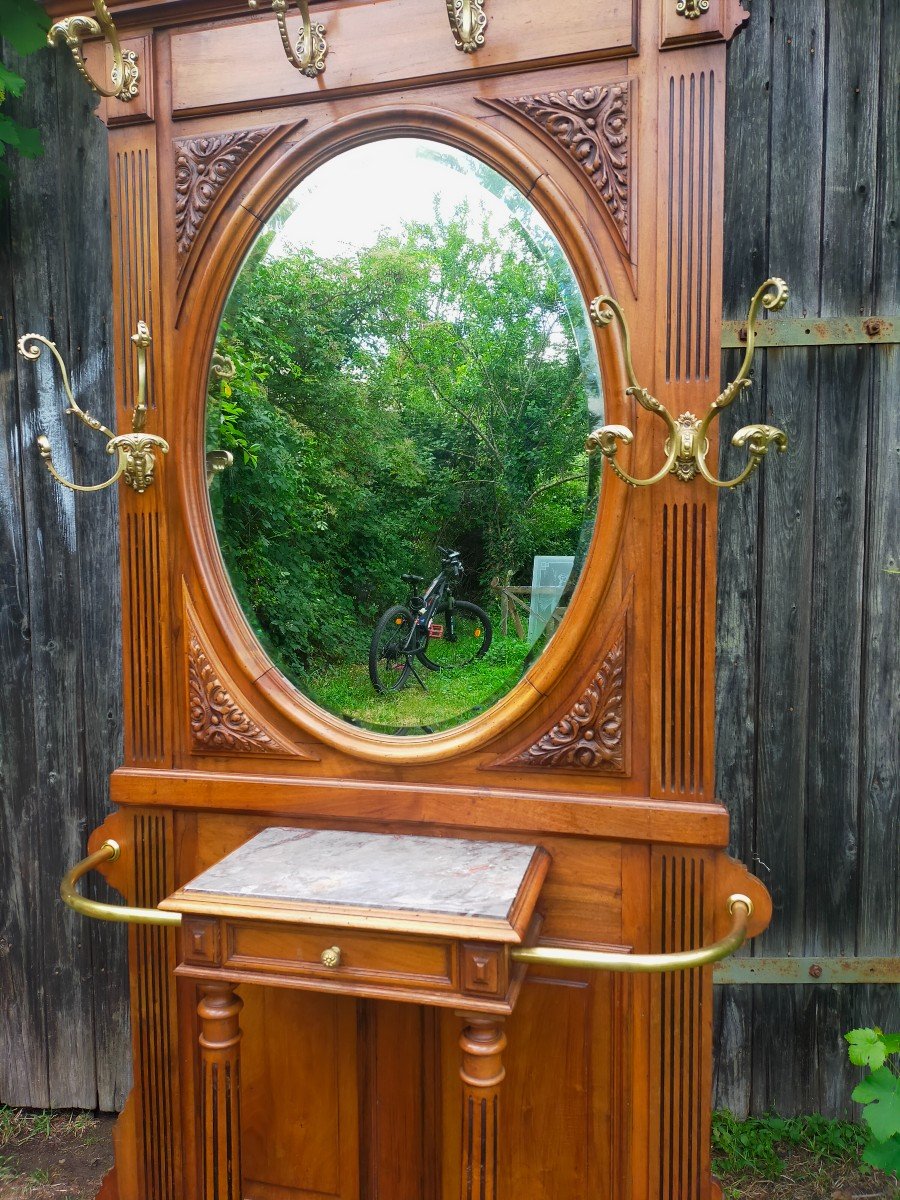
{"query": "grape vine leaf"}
(24, 24)
(880, 1093)
(868, 1048)
(885, 1156)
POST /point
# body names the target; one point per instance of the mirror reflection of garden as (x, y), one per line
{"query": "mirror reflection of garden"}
(426, 383)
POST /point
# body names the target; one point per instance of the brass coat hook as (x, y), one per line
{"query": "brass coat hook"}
(687, 446)
(136, 451)
(468, 22)
(309, 55)
(125, 75)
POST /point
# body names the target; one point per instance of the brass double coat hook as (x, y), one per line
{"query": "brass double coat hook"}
(135, 451)
(687, 445)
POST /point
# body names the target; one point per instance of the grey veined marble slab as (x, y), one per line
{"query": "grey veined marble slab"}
(448, 876)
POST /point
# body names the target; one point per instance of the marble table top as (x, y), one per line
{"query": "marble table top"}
(392, 873)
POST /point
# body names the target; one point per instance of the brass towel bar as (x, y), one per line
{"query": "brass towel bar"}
(108, 852)
(740, 907)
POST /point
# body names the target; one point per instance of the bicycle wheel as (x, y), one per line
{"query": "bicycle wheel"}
(465, 636)
(389, 652)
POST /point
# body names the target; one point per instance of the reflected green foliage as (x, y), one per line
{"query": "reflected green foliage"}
(347, 691)
(426, 390)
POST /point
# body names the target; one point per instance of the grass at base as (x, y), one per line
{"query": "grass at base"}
(449, 697)
(796, 1158)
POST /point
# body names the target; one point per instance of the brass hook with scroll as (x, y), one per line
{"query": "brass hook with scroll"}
(687, 446)
(309, 55)
(135, 452)
(467, 21)
(125, 75)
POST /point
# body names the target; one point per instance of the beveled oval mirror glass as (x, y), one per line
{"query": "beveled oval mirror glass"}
(403, 379)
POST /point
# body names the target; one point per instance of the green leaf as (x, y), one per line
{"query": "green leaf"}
(884, 1155)
(30, 142)
(9, 130)
(11, 84)
(867, 1048)
(880, 1093)
(24, 24)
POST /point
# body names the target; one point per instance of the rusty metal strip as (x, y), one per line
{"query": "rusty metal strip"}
(815, 331)
(807, 970)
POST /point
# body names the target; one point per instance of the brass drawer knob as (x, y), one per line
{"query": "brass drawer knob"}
(331, 957)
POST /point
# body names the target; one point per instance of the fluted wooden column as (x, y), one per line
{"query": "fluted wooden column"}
(482, 1043)
(220, 1091)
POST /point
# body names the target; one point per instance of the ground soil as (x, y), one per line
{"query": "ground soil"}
(62, 1159)
(806, 1179)
(67, 1159)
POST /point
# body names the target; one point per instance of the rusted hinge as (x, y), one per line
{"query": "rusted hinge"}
(807, 970)
(815, 331)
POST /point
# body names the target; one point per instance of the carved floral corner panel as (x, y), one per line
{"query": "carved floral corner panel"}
(220, 720)
(203, 165)
(591, 128)
(591, 735)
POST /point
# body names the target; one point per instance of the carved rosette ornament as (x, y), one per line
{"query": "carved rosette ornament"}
(591, 126)
(203, 165)
(692, 9)
(217, 721)
(591, 735)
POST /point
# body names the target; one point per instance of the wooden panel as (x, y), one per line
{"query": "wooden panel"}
(145, 575)
(680, 1032)
(399, 1139)
(133, 191)
(299, 1097)
(685, 627)
(690, 111)
(557, 1102)
(153, 1007)
(377, 45)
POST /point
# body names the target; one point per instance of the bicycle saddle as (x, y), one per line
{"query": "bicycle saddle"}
(413, 578)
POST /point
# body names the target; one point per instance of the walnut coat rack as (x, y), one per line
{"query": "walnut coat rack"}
(609, 116)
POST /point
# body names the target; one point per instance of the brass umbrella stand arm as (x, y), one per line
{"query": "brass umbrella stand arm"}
(109, 852)
(739, 906)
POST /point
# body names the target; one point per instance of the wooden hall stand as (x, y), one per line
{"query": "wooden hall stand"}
(608, 116)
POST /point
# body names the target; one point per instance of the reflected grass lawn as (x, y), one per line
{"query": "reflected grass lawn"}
(449, 697)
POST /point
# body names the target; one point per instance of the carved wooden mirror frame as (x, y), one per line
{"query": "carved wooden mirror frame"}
(264, 184)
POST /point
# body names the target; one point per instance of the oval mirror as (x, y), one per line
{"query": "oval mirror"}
(403, 380)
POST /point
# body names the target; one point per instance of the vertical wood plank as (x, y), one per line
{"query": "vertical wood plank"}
(55, 600)
(23, 1047)
(88, 262)
(845, 378)
(747, 167)
(798, 86)
(878, 927)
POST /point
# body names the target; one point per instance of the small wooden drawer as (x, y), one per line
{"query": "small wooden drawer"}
(362, 957)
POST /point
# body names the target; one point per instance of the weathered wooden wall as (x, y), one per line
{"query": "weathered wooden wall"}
(63, 1012)
(808, 737)
(809, 617)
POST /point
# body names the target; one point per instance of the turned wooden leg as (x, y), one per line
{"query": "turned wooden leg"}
(482, 1042)
(220, 1091)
